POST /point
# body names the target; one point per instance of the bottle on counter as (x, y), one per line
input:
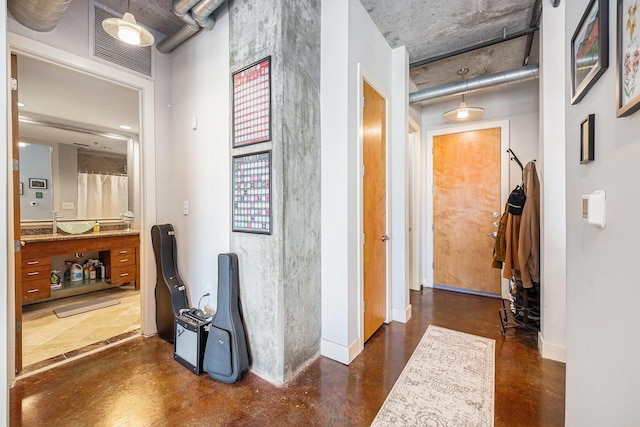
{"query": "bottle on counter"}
(85, 271)
(96, 227)
(92, 272)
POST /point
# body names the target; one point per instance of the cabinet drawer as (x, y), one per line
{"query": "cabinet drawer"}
(34, 290)
(120, 275)
(123, 257)
(35, 262)
(36, 272)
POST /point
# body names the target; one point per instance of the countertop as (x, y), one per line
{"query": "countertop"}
(65, 236)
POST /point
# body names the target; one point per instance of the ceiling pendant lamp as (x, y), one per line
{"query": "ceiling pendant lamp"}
(463, 112)
(128, 30)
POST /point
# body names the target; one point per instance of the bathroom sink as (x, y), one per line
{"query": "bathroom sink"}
(75, 227)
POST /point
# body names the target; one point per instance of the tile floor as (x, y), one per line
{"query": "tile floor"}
(47, 339)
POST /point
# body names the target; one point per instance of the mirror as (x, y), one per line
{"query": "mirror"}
(74, 155)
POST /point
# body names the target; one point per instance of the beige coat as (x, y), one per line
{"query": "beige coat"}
(529, 239)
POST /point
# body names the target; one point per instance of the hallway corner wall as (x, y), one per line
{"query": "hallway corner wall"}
(6, 374)
(603, 373)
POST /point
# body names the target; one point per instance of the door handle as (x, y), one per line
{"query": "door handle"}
(385, 238)
(494, 234)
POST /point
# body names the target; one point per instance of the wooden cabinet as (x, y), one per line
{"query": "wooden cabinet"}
(120, 252)
(36, 279)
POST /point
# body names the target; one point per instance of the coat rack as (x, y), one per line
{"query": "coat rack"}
(514, 157)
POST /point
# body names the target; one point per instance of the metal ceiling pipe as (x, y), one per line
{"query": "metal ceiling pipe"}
(510, 76)
(38, 15)
(196, 15)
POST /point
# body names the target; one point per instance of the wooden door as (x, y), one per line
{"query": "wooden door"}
(374, 210)
(16, 212)
(466, 175)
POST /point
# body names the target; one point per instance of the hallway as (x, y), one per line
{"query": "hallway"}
(139, 384)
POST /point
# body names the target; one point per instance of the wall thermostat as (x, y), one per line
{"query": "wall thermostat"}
(593, 208)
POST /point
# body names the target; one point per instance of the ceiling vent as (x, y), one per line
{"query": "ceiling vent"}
(135, 58)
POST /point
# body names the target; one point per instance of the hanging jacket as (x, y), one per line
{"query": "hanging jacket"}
(529, 236)
(512, 240)
(500, 246)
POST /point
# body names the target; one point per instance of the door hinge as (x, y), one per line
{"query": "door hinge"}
(362, 170)
(16, 165)
(363, 306)
(14, 84)
(16, 246)
(433, 226)
(363, 238)
(433, 266)
(363, 102)
(18, 327)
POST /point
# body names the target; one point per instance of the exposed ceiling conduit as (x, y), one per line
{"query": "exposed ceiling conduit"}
(196, 14)
(38, 15)
(510, 76)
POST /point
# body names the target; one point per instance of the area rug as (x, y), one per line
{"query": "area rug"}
(448, 382)
(83, 307)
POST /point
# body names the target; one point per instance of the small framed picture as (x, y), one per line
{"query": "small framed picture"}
(38, 183)
(589, 49)
(587, 139)
(21, 189)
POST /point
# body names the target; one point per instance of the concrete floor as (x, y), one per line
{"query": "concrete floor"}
(139, 384)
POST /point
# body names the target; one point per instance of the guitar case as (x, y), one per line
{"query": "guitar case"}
(171, 292)
(226, 356)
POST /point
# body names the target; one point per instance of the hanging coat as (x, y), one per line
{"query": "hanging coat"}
(529, 238)
(512, 241)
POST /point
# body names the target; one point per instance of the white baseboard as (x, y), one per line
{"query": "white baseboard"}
(551, 351)
(340, 353)
(402, 316)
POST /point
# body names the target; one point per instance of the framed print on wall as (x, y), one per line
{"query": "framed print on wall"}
(589, 49)
(38, 183)
(252, 104)
(627, 58)
(251, 193)
(587, 139)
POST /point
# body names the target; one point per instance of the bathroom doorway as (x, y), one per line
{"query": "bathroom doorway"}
(60, 117)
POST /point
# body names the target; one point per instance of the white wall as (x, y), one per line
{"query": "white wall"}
(35, 163)
(351, 44)
(552, 339)
(603, 374)
(193, 165)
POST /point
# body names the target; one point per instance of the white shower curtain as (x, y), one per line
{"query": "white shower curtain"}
(102, 196)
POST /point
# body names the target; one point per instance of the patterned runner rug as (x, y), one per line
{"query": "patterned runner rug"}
(448, 382)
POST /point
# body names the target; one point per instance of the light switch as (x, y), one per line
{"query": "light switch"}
(67, 205)
(594, 208)
(185, 208)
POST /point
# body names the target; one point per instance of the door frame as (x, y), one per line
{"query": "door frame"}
(363, 75)
(415, 263)
(428, 195)
(144, 198)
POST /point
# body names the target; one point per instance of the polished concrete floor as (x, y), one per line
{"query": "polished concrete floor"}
(138, 383)
(47, 339)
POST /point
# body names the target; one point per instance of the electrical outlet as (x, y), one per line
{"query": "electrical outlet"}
(185, 208)
(67, 205)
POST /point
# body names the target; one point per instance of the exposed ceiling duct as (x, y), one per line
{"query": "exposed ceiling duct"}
(38, 15)
(196, 14)
(510, 76)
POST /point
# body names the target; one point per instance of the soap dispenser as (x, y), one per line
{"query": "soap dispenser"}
(96, 227)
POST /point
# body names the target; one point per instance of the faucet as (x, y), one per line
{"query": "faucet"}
(55, 216)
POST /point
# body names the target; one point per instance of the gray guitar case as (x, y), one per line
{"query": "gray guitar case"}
(226, 356)
(171, 293)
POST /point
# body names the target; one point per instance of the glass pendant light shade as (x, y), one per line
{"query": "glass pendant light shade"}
(463, 113)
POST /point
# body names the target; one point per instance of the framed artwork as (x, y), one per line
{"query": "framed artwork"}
(589, 49)
(627, 58)
(38, 183)
(587, 139)
(252, 104)
(251, 193)
(21, 189)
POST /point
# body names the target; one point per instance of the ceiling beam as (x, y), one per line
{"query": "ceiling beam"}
(535, 22)
(488, 43)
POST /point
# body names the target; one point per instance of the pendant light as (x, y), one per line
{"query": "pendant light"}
(128, 30)
(463, 112)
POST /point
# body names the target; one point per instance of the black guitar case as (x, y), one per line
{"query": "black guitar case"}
(226, 357)
(171, 293)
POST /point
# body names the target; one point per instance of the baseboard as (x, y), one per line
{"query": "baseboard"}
(340, 353)
(402, 316)
(466, 291)
(550, 351)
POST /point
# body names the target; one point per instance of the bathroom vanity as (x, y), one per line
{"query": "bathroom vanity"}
(118, 250)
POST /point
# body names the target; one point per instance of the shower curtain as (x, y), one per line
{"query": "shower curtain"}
(102, 196)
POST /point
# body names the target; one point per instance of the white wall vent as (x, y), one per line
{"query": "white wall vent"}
(136, 58)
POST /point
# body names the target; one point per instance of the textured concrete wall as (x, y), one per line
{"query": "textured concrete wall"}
(280, 273)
